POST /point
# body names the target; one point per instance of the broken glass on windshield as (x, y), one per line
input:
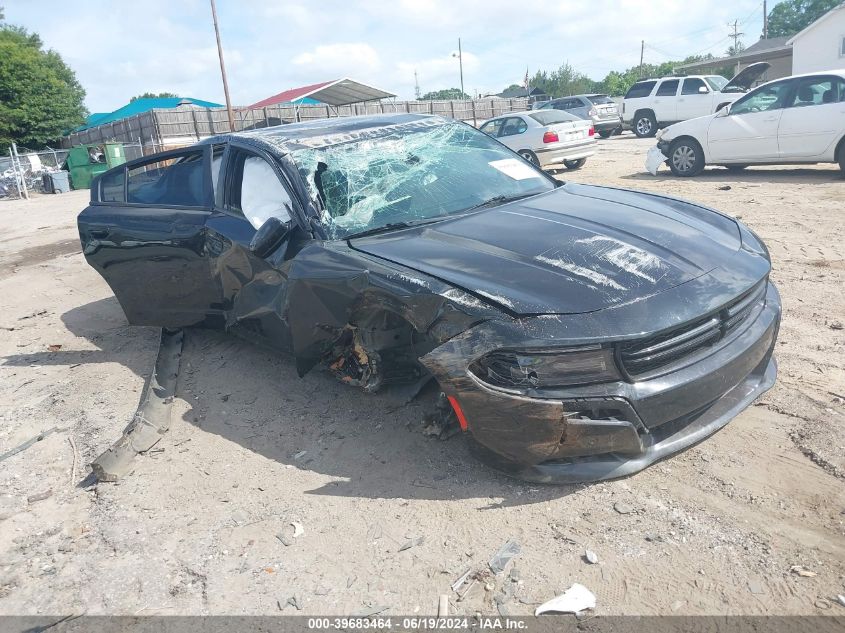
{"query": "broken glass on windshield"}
(411, 173)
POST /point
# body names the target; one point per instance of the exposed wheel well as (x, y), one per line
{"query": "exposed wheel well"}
(690, 138)
(642, 111)
(840, 147)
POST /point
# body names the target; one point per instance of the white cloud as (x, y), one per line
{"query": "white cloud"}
(340, 58)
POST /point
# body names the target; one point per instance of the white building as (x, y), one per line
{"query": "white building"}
(820, 46)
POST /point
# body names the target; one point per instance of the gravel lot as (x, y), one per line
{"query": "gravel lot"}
(252, 448)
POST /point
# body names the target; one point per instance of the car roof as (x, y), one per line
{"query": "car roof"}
(287, 137)
(507, 115)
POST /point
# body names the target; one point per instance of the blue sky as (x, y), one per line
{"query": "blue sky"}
(122, 48)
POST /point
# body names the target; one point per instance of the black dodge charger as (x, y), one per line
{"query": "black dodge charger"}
(578, 332)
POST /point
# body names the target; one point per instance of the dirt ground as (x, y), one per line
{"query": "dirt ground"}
(253, 448)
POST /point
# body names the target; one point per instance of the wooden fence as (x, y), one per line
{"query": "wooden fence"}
(167, 128)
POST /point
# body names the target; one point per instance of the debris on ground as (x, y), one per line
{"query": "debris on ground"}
(800, 570)
(27, 444)
(623, 508)
(461, 580)
(591, 557)
(412, 542)
(724, 188)
(836, 325)
(298, 530)
(505, 554)
(443, 606)
(41, 496)
(574, 600)
(821, 603)
(755, 587)
(371, 611)
(442, 423)
(841, 599)
(54, 348)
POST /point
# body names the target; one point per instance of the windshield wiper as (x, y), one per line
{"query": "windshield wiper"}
(495, 201)
(392, 226)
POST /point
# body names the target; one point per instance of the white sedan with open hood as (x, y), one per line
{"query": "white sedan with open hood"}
(550, 139)
(795, 120)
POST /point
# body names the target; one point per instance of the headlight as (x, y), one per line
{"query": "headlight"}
(540, 368)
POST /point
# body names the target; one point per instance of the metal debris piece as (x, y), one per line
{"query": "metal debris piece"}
(300, 454)
(295, 602)
(152, 419)
(802, 571)
(591, 557)
(413, 542)
(505, 554)
(28, 443)
(366, 613)
(298, 530)
(574, 600)
(287, 542)
(461, 580)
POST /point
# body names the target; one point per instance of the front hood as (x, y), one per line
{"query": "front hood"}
(744, 79)
(573, 250)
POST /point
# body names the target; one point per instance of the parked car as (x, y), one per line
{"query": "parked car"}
(799, 119)
(549, 139)
(654, 103)
(577, 332)
(600, 109)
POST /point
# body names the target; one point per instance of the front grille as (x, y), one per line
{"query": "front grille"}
(673, 346)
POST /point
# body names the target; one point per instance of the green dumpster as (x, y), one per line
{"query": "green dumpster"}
(86, 161)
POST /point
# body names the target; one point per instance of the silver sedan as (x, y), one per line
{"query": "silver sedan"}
(551, 139)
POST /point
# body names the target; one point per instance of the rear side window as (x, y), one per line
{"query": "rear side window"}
(668, 88)
(177, 180)
(111, 186)
(550, 117)
(640, 89)
(692, 85)
(600, 99)
(492, 127)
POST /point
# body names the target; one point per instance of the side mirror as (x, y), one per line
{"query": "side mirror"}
(725, 110)
(269, 237)
(703, 90)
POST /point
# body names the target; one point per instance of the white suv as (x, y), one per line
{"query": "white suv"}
(654, 103)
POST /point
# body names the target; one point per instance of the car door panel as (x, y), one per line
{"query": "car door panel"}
(810, 127)
(691, 102)
(161, 244)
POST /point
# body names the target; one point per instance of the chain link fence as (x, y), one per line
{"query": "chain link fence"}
(23, 174)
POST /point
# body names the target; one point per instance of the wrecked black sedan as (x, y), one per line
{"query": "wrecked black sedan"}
(578, 332)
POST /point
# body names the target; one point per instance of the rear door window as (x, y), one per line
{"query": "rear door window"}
(819, 91)
(668, 88)
(513, 126)
(111, 186)
(640, 89)
(492, 127)
(175, 180)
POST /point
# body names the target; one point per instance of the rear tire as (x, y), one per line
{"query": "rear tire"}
(575, 164)
(686, 158)
(605, 133)
(645, 125)
(842, 159)
(530, 156)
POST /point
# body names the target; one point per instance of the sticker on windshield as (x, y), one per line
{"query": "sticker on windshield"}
(514, 168)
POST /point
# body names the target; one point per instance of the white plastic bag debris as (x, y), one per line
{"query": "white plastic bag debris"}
(653, 160)
(573, 600)
(505, 554)
(298, 530)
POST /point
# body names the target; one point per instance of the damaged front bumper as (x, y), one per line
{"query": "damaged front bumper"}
(610, 430)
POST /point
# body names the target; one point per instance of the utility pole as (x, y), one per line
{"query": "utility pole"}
(416, 85)
(222, 68)
(765, 21)
(736, 35)
(642, 51)
(460, 57)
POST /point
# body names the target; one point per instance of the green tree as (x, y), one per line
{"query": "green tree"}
(443, 95)
(40, 97)
(790, 16)
(153, 95)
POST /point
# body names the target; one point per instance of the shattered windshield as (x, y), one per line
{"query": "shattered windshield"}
(411, 173)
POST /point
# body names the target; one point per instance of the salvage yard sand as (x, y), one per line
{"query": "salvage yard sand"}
(750, 521)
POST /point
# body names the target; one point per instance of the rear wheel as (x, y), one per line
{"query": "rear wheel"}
(645, 125)
(575, 164)
(605, 133)
(530, 156)
(686, 157)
